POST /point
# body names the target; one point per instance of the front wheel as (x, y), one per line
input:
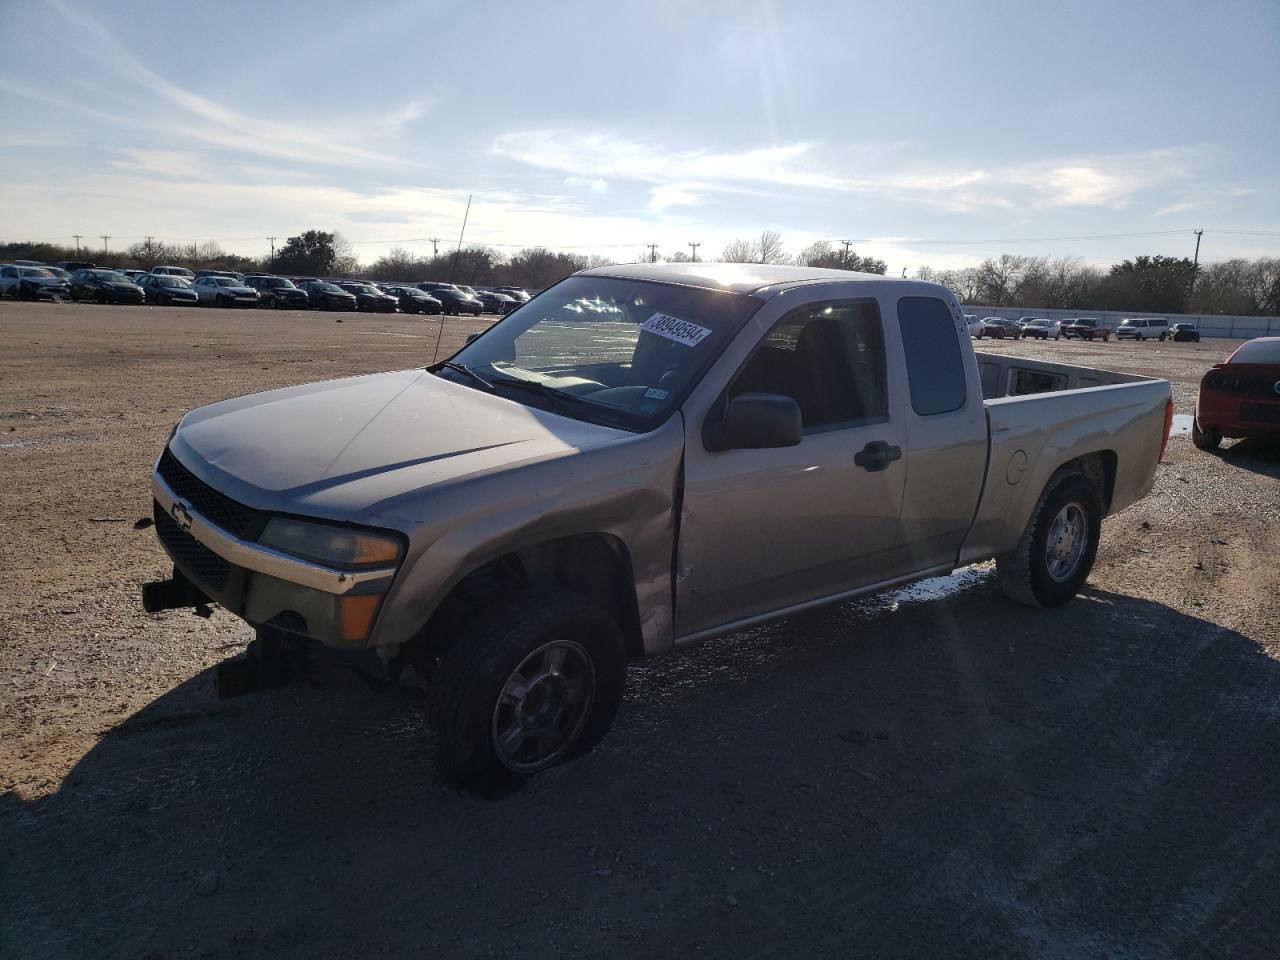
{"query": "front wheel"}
(532, 682)
(1053, 558)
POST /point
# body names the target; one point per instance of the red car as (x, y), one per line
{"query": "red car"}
(1241, 397)
(1084, 328)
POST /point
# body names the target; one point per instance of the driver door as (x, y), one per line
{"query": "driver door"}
(763, 529)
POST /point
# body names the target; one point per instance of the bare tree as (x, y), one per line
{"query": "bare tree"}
(769, 248)
(740, 251)
(819, 254)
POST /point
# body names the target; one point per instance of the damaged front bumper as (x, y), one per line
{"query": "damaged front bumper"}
(261, 585)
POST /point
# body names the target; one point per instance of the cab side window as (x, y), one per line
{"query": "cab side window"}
(829, 359)
(935, 366)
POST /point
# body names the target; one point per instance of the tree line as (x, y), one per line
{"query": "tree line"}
(1143, 284)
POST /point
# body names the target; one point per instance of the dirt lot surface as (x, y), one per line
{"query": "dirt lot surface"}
(932, 773)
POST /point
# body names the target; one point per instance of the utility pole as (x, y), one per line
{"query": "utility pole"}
(653, 252)
(273, 250)
(904, 273)
(694, 247)
(847, 244)
(1195, 266)
(77, 236)
(435, 247)
(105, 238)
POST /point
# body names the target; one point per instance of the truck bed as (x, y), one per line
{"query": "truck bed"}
(1007, 376)
(1041, 414)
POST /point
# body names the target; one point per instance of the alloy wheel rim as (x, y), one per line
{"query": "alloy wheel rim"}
(543, 706)
(1066, 543)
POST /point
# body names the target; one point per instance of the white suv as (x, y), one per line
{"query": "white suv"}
(1144, 328)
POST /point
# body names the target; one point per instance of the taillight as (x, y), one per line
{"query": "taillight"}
(1168, 425)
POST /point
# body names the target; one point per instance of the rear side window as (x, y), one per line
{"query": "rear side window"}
(829, 359)
(935, 367)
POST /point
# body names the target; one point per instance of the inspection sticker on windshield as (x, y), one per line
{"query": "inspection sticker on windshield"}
(673, 328)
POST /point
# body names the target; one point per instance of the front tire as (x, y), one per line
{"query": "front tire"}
(531, 683)
(1055, 555)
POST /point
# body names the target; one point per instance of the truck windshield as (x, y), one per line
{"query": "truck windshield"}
(622, 352)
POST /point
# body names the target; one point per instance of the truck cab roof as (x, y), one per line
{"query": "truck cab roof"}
(757, 279)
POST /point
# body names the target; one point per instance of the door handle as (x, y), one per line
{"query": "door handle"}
(877, 455)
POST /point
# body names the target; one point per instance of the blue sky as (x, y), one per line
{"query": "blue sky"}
(606, 126)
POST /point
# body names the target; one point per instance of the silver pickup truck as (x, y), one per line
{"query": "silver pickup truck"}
(639, 458)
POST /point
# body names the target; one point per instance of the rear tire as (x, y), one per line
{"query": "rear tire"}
(1055, 555)
(498, 684)
(1209, 439)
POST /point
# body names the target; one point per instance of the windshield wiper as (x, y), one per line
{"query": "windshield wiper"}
(557, 398)
(468, 372)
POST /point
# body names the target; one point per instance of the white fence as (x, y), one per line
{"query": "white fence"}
(1243, 328)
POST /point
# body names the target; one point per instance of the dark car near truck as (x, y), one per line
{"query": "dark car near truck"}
(165, 290)
(369, 298)
(105, 286)
(327, 296)
(453, 299)
(413, 300)
(277, 292)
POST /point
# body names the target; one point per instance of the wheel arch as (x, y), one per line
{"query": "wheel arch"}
(594, 565)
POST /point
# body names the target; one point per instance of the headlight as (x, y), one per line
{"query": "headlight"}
(332, 546)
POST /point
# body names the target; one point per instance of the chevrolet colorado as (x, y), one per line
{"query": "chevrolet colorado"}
(637, 459)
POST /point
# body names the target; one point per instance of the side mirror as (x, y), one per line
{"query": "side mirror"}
(756, 421)
(472, 337)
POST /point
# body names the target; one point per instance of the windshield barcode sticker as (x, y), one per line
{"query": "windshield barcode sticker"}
(673, 328)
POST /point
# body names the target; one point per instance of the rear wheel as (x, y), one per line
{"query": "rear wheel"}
(532, 682)
(1053, 558)
(1209, 439)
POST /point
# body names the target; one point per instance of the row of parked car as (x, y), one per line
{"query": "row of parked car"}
(172, 286)
(1081, 328)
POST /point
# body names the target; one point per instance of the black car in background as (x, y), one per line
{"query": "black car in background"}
(32, 283)
(494, 302)
(277, 292)
(324, 295)
(1184, 331)
(105, 286)
(519, 293)
(163, 290)
(369, 298)
(71, 266)
(452, 299)
(413, 300)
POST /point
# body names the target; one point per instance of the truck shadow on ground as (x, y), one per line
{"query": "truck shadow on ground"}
(960, 777)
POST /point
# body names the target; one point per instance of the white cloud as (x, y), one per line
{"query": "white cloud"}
(198, 118)
(682, 176)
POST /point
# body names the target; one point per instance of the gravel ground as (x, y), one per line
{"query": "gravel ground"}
(935, 772)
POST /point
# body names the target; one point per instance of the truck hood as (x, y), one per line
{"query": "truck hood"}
(346, 449)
